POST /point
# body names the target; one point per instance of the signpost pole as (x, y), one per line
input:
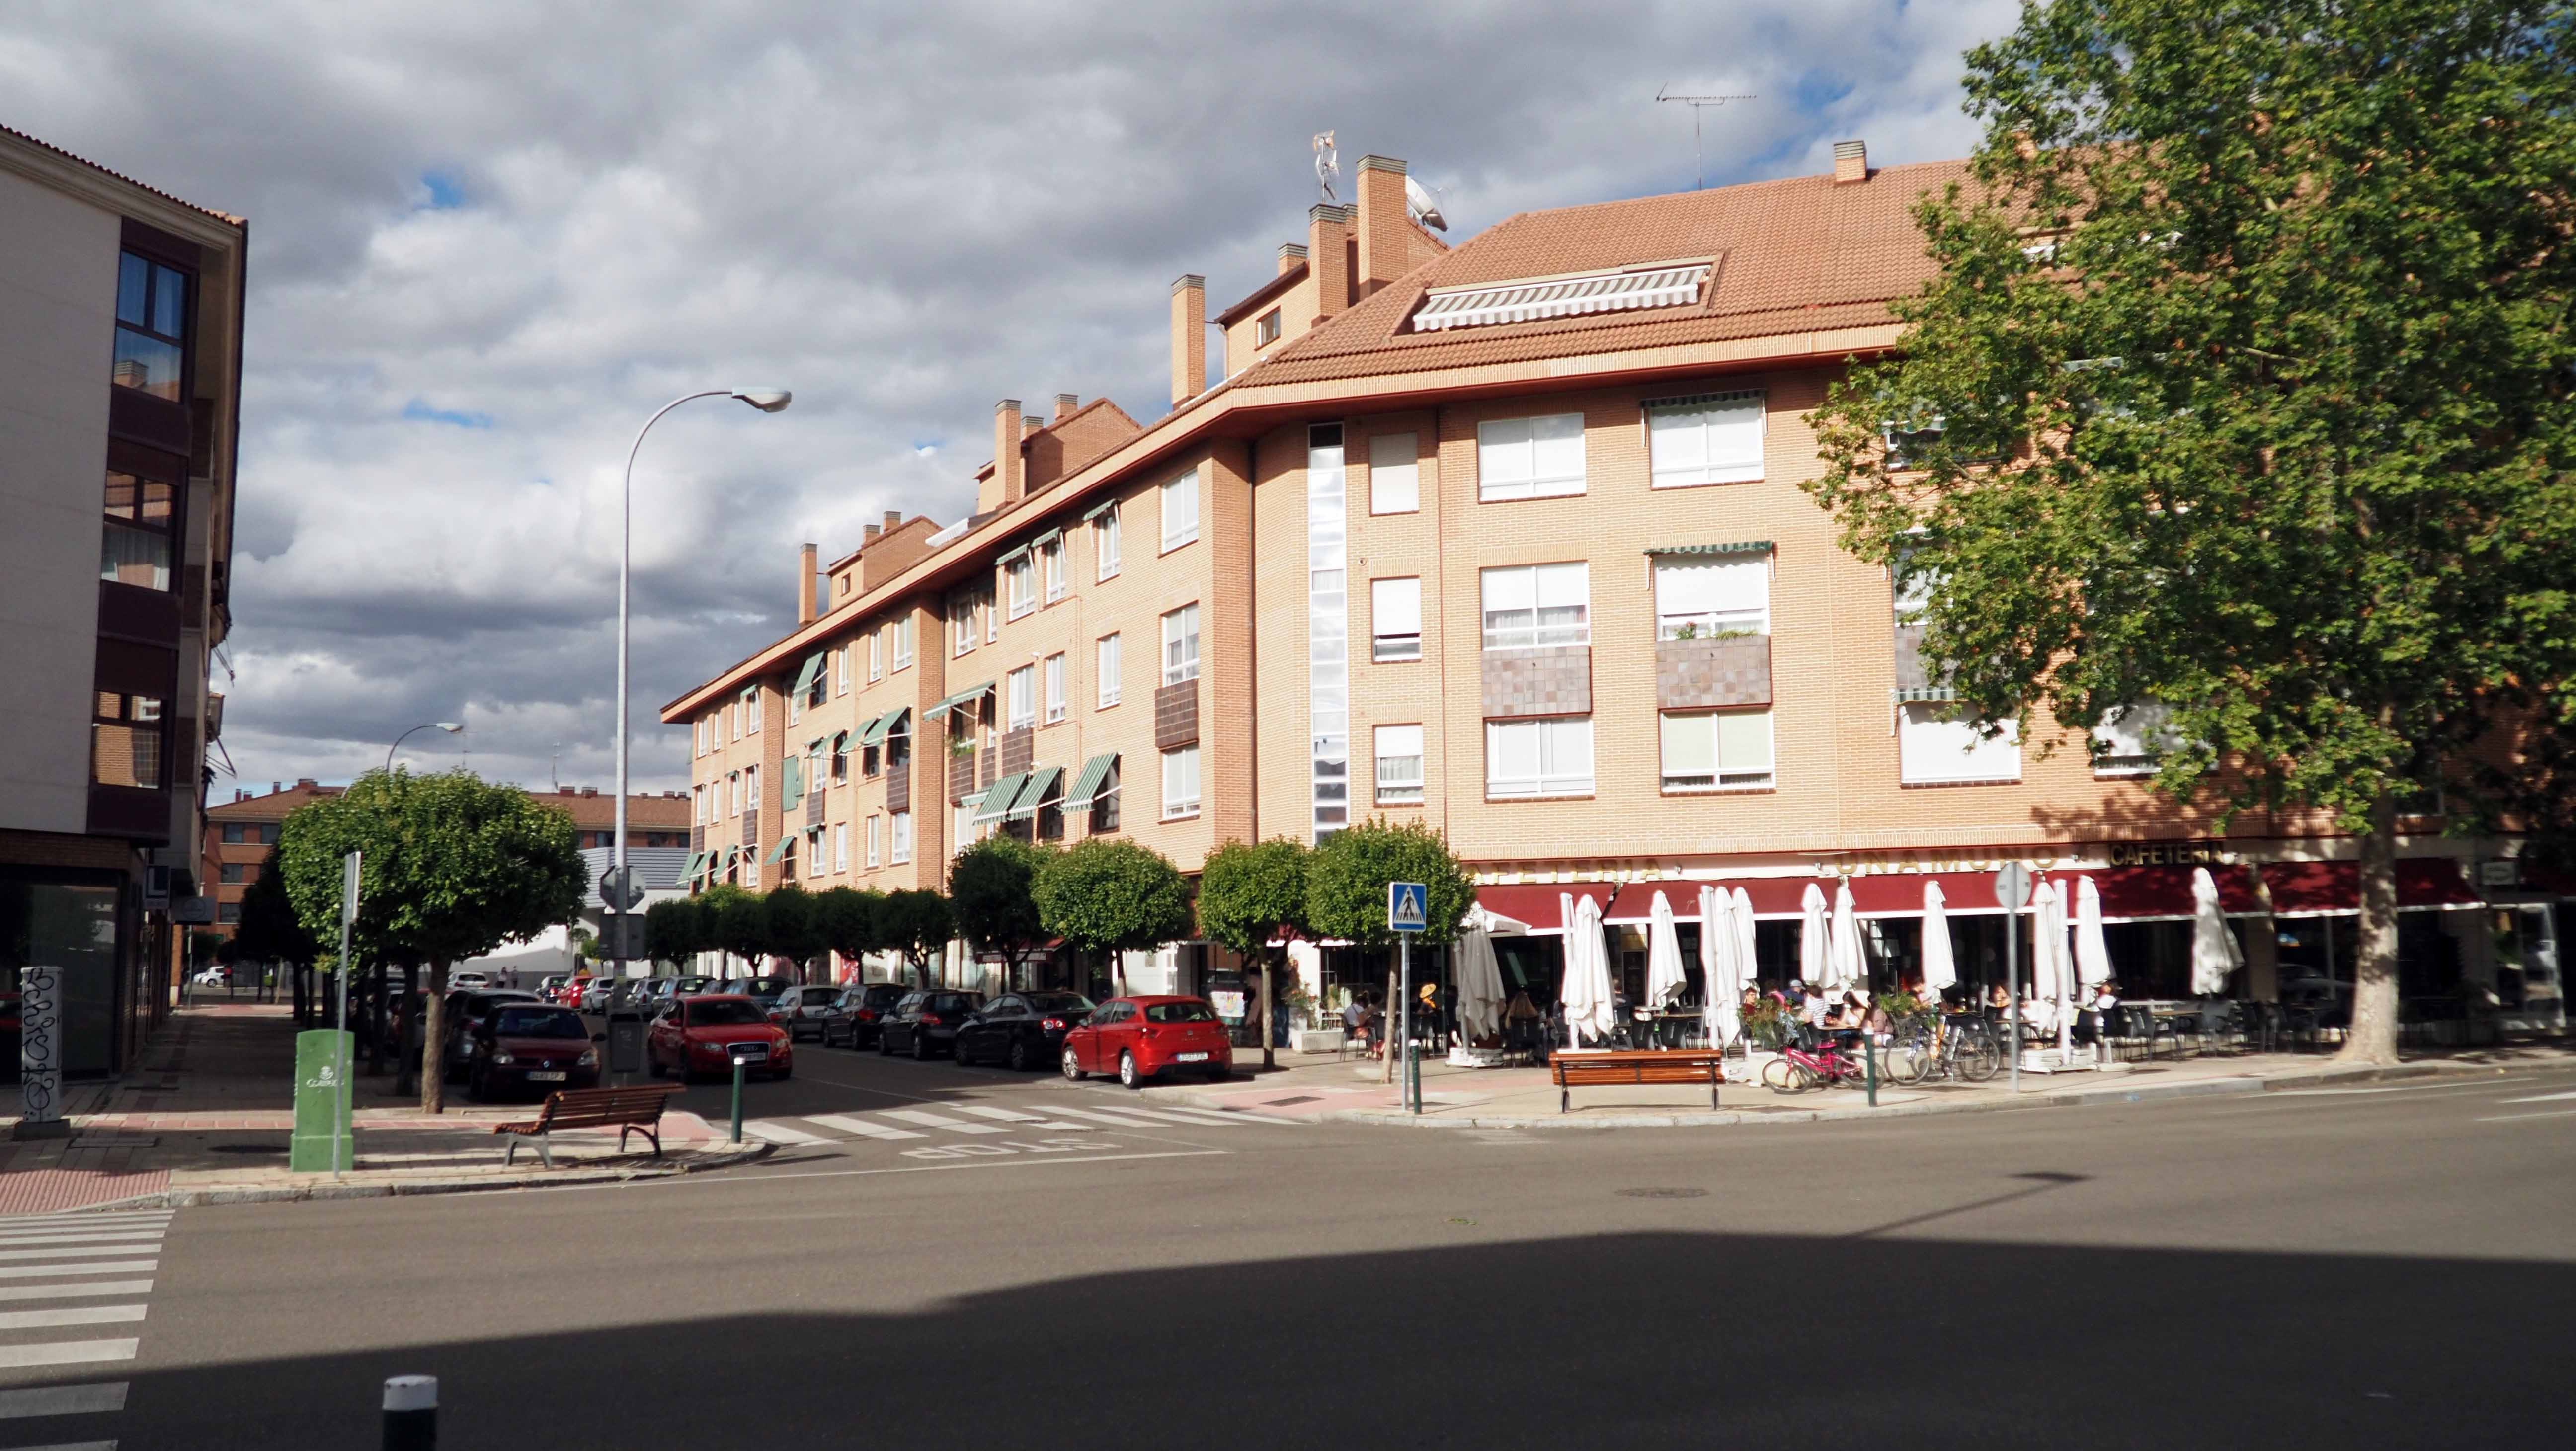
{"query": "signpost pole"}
(340, 1136)
(2012, 889)
(1407, 912)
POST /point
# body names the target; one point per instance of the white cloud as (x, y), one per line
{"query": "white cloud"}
(489, 239)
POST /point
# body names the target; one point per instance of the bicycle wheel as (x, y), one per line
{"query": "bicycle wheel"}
(1975, 1060)
(1782, 1076)
(1907, 1064)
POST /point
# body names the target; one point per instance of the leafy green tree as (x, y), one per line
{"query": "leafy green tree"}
(269, 931)
(849, 921)
(918, 925)
(989, 892)
(738, 923)
(1346, 888)
(674, 930)
(1108, 895)
(2241, 394)
(793, 926)
(1249, 897)
(452, 867)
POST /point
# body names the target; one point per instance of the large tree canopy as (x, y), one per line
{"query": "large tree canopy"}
(1347, 876)
(1105, 894)
(989, 893)
(2243, 395)
(1250, 896)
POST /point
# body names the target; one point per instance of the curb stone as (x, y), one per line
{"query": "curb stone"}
(2070, 1098)
(387, 1189)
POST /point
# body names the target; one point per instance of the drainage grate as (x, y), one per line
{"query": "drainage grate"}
(1663, 1193)
(242, 1149)
(1300, 1098)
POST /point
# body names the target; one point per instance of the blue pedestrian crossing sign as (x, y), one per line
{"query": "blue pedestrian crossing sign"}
(1405, 911)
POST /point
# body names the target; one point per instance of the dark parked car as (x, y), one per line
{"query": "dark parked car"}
(465, 1012)
(762, 990)
(855, 1017)
(926, 1021)
(535, 1047)
(1021, 1031)
(803, 1009)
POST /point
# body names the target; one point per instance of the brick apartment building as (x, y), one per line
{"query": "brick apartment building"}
(241, 831)
(120, 362)
(1508, 539)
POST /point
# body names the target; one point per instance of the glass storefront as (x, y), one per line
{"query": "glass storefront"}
(73, 928)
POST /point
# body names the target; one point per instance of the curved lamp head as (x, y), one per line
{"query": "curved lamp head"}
(767, 400)
(449, 726)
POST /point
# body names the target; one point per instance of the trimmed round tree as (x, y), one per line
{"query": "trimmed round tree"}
(916, 923)
(673, 931)
(1249, 897)
(989, 893)
(1346, 882)
(793, 926)
(1106, 895)
(847, 918)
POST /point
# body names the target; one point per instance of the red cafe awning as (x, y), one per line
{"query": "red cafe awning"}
(2317, 889)
(1536, 907)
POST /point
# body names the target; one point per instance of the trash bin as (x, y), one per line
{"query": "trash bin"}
(625, 1041)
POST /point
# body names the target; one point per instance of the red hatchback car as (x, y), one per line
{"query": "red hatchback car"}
(698, 1036)
(1138, 1038)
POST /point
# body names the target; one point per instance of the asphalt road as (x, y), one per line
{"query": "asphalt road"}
(2385, 1266)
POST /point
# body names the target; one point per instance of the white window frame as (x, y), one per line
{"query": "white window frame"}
(840, 848)
(1179, 527)
(899, 835)
(872, 842)
(1401, 788)
(1548, 587)
(1051, 569)
(1104, 543)
(963, 635)
(697, 805)
(843, 668)
(876, 656)
(1711, 438)
(1387, 605)
(1395, 473)
(1552, 742)
(1105, 664)
(751, 704)
(733, 789)
(1021, 572)
(1733, 581)
(903, 641)
(1020, 691)
(1181, 645)
(2138, 736)
(1930, 750)
(1181, 796)
(1052, 688)
(816, 866)
(751, 788)
(1526, 458)
(1723, 774)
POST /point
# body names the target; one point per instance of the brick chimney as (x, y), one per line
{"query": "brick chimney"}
(1189, 337)
(893, 520)
(1031, 425)
(1851, 162)
(1328, 255)
(868, 535)
(1003, 487)
(1292, 255)
(805, 584)
(1067, 405)
(1382, 224)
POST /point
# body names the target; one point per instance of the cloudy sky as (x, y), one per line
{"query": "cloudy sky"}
(488, 240)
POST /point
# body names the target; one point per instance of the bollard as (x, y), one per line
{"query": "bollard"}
(411, 1413)
(737, 1098)
(1869, 1043)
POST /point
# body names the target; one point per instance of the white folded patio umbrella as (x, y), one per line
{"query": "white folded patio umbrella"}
(1747, 964)
(1815, 952)
(1940, 968)
(2214, 953)
(1480, 985)
(1586, 993)
(1850, 968)
(1665, 977)
(2051, 975)
(2092, 953)
(1718, 967)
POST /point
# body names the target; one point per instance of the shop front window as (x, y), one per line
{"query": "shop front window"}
(73, 930)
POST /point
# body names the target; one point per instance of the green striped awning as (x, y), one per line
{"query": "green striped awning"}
(777, 849)
(1088, 783)
(689, 873)
(971, 693)
(874, 731)
(997, 802)
(791, 785)
(1047, 538)
(1912, 694)
(806, 677)
(1041, 781)
(1096, 510)
(1740, 546)
(840, 743)
(732, 854)
(1007, 560)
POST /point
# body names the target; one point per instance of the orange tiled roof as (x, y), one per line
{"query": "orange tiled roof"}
(1792, 256)
(225, 217)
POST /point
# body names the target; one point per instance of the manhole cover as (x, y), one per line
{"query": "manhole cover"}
(242, 1149)
(1663, 1193)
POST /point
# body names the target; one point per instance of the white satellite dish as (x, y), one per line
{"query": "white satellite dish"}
(1424, 210)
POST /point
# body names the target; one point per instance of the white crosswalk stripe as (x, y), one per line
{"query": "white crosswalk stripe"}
(850, 1124)
(66, 1352)
(73, 1252)
(99, 1267)
(779, 1133)
(123, 1236)
(1122, 1120)
(76, 1290)
(1209, 1116)
(941, 1121)
(69, 1315)
(1012, 1115)
(61, 1257)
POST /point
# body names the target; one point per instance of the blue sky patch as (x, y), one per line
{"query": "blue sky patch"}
(418, 411)
(444, 192)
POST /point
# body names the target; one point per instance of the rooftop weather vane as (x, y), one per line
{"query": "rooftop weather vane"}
(1327, 163)
(1697, 105)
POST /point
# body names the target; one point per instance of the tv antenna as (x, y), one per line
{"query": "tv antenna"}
(1699, 104)
(1328, 163)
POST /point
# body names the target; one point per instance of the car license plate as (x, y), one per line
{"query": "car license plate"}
(554, 1077)
(1190, 1057)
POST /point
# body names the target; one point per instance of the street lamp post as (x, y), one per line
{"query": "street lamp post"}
(767, 400)
(449, 726)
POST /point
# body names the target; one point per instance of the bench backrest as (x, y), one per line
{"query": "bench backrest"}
(611, 1105)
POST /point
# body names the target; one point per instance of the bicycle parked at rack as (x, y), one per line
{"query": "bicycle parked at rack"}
(1812, 1064)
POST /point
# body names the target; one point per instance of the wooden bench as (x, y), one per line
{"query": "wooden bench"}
(628, 1110)
(1583, 1070)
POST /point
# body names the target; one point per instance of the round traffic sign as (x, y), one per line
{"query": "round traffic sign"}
(2012, 887)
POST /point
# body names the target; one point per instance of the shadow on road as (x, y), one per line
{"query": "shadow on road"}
(1657, 1339)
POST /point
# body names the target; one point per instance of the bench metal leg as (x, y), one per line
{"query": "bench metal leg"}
(546, 1150)
(651, 1135)
(1565, 1100)
(509, 1150)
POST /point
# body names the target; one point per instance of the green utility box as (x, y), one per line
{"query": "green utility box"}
(322, 1141)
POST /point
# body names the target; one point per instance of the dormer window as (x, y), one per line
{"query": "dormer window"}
(1265, 329)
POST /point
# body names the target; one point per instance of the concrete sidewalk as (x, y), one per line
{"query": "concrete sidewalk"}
(1321, 1087)
(205, 1115)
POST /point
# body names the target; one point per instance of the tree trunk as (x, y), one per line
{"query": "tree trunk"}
(406, 1060)
(2372, 1038)
(433, 1035)
(1269, 1016)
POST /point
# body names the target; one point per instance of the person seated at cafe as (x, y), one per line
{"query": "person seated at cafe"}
(1812, 1006)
